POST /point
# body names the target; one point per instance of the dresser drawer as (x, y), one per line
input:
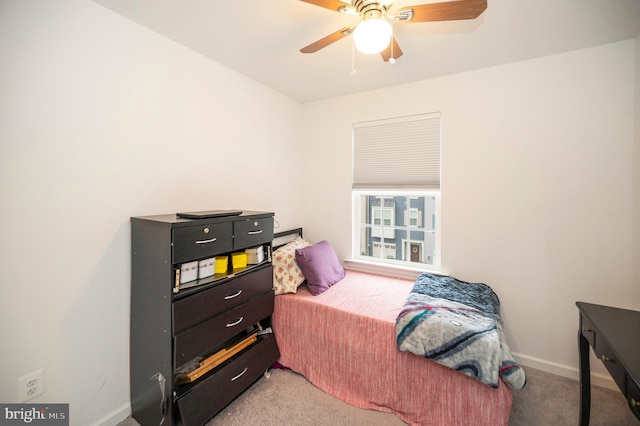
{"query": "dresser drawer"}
(633, 396)
(252, 232)
(201, 241)
(206, 336)
(207, 398)
(603, 353)
(198, 307)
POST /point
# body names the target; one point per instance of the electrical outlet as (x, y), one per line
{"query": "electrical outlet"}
(31, 385)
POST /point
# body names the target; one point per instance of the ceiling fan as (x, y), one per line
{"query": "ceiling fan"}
(374, 33)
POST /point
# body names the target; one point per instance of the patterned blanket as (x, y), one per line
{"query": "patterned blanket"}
(458, 324)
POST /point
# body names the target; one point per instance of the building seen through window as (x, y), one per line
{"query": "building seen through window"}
(396, 227)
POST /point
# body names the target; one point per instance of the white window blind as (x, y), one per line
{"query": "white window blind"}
(397, 153)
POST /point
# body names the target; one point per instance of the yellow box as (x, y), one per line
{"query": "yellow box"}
(239, 260)
(222, 263)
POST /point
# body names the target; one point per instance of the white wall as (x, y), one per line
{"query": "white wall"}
(537, 184)
(100, 120)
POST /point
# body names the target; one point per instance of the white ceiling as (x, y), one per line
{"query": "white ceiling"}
(261, 39)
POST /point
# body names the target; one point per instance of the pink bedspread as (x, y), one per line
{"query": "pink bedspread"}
(343, 341)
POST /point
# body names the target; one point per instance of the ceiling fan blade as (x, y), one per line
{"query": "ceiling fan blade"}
(387, 53)
(335, 5)
(324, 42)
(445, 11)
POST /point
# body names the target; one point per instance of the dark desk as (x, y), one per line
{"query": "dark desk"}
(614, 335)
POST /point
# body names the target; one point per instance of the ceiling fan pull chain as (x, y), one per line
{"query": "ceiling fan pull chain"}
(392, 59)
(353, 58)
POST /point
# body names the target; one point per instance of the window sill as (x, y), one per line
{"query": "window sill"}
(389, 270)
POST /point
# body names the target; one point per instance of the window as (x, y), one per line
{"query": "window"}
(413, 217)
(383, 215)
(396, 191)
(395, 241)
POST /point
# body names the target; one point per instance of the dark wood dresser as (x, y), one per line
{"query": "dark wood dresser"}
(182, 329)
(614, 335)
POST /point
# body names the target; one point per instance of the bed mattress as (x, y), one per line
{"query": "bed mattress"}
(343, 341)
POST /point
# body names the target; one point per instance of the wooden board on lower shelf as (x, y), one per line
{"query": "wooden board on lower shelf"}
(216, 359)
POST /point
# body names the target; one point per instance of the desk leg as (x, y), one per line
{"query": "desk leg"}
(585, 379)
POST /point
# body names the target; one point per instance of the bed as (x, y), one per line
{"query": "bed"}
(343, 340)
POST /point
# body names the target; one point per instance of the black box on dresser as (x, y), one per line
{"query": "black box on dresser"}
(197, 344)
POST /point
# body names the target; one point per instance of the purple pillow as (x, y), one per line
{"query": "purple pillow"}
(320, 266)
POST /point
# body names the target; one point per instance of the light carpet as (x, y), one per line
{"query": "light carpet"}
(286, 398)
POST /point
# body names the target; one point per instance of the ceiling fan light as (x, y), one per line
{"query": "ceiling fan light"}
(372, 35)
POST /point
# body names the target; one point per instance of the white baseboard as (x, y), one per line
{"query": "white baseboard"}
(597, 379)
(114, 417)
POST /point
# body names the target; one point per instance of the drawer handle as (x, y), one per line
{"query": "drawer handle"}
(586, 330)
(240, 375)
(604, 358)
(231, 324)
(206, 241)
(634, 403)
(231, 296)
(255, 232)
